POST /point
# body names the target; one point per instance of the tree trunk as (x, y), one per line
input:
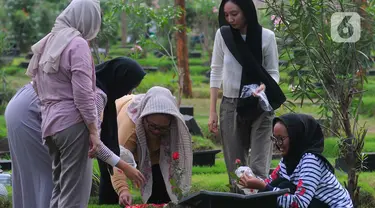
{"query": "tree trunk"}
(206, 44)
(123, 29)
(182, 51)
(353, 151)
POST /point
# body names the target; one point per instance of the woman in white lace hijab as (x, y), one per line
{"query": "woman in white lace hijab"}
(152, 128)
(62, 70)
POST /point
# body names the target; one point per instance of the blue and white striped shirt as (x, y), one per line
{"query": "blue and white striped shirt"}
(313, 180)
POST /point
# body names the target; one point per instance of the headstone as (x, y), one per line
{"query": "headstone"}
(158, 54)
(318, 85)
(294, 73)
(24, 64)
(150, 69)
(371, 72)
(100, 50)
(210, 199)
(205, 157)
(187, 110)
(322, 121)
(195, 54)
(196, 39)
(276, 156)
(6, 165)
(5, 60)
(4, 146)
(5, 179)
(208, 74)
(29, 55)
(12, 52)
(369, 162)
(192, 125)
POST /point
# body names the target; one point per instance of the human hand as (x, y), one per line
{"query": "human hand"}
(133, 174)
(212, 122)
(125, 198)
(94, 145)
(252, 182)
(261, 88)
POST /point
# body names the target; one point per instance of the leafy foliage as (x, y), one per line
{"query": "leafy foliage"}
(334, 73)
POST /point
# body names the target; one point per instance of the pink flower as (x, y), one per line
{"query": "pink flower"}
(136, 48)
(276, 20)
(175, 156)
(215, 10)
(237, 162)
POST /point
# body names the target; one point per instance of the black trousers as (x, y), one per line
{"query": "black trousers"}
(283, 183)
(107, 195)
(159, 193)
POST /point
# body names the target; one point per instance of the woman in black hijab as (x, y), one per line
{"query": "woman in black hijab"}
(244, 53)
(303, 169)
(116, 78)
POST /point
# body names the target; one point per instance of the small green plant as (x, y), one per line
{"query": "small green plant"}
(163, 19)
(5, 202)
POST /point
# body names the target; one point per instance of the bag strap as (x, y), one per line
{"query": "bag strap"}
(227, 35)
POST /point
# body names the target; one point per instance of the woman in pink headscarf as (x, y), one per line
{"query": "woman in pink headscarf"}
(63, 74)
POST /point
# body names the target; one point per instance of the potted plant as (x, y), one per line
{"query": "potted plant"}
(204, 152)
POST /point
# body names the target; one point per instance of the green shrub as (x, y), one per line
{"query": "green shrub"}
(200, 143)
(199, 62)
(164, 64)
(5, 202)
(117, 52)
(218, 168)
(3, 127)
(198, 70)
(11, 70)
(366, 199)
(368, 106)
(158, 79)
(197, 80)
(331, 148)
(210, 182)
(202, 92)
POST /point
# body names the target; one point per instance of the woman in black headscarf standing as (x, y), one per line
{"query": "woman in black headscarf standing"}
(303, 169)
(115, 82)
(244, 53)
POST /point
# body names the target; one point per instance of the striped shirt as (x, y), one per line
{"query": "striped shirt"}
(313, 180)
(103, 152)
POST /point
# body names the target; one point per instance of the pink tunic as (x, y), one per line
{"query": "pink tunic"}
(68, 96)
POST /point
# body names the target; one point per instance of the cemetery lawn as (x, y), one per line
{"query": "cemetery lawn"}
(215, 178)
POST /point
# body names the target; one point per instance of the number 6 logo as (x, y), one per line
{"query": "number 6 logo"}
(345, 27)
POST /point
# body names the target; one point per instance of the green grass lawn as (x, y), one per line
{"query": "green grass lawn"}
(215, 178)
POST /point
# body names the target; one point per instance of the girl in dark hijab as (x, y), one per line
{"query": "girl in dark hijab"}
(244, 54)
(303, 169)
(116, 78)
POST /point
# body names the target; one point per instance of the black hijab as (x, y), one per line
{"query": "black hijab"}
(116, 77)
(249, 53)
(305, 136)
(254, 29)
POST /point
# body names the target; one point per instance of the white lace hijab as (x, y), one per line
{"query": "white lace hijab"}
(161, 100)
(80, 18)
